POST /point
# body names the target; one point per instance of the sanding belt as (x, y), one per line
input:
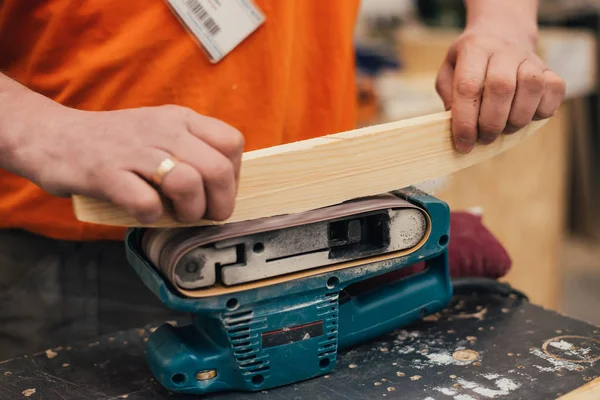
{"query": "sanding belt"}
(473, 250)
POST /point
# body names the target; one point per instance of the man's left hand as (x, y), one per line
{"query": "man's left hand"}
(494, 83)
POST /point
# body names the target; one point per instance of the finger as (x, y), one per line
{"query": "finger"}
(530, 88)
(498, 93)
(469, 76)
(219, 135)
(183, 185)
(139, 198)
(554, 94)
(443, 84)
(217, 172)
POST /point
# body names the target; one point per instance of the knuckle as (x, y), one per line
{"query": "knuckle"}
(532, 82)
(557, 85)
(501, 87)
(145, 204)
(467, 40)
(544, 113)
(222, 212)
(187, 184)
(221, 173)
(469, 88)
(514, 124)
(466, 130)
(490, 129)
(232, 141)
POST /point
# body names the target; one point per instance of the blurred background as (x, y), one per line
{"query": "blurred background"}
(540, 199)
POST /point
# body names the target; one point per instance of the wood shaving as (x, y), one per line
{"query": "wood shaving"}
(400, 373)
(50, 354)
(28, 392)
(415, 377)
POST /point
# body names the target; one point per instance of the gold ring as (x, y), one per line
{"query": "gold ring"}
(164, 168)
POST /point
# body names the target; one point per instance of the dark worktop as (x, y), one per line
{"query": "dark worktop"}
(512, 350)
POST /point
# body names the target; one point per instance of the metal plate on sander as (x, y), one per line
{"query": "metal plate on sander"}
(238, 253)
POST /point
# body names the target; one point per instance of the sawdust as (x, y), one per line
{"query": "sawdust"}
(415, 377)
(465, 355)
(50, 354)
(401, 374)
(432, 317)
(377, 383)
(391, 389)
(65, 365)
(478, 315)
(471, 338)
(352, 366)
(28, 392)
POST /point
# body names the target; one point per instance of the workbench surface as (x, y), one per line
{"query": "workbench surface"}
(481, 347)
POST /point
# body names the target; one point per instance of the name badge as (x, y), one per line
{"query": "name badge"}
(218, 25)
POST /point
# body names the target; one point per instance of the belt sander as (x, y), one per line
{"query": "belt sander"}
(275, 299)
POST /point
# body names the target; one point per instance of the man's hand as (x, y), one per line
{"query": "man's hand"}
(492, 80)
(113, 155)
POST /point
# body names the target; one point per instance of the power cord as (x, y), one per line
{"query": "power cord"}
(470, 285)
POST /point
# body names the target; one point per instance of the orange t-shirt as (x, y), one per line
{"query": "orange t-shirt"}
(292, 79)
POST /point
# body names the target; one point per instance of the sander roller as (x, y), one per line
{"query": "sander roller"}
(273, 301)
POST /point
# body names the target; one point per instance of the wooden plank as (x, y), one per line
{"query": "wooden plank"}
(589, 391)
(328, 170)
(522, 194)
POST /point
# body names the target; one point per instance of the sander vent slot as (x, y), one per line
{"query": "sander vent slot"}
(243, 329)
(328, 310)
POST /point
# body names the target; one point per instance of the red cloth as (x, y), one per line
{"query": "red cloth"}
(473, 251)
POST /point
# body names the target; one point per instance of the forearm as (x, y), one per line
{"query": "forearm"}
(520, 16)
(19, 107)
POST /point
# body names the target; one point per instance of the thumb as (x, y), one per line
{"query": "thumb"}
(443, 83)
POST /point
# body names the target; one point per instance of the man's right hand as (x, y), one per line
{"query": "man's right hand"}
(112, 156)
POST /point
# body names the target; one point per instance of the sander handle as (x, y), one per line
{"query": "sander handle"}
(381, 310)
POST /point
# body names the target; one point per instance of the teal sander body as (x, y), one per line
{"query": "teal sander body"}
(261, 337)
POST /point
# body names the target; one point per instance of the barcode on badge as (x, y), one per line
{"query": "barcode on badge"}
(204, 17)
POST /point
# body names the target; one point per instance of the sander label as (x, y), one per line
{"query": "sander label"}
(293, 334)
